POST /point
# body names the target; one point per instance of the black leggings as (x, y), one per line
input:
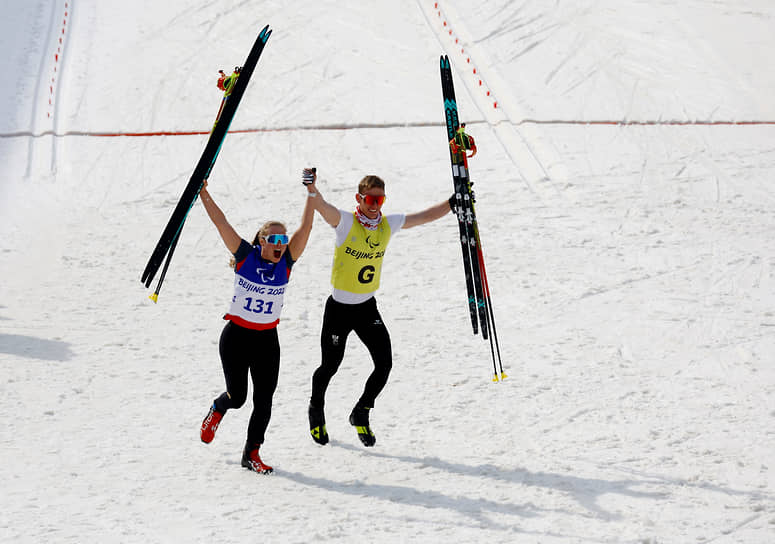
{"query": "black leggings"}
(338, 321)
(241, 350)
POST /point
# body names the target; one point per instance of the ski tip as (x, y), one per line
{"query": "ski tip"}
(154, 297)
(504, 376)
(495, 378)
(265, 33)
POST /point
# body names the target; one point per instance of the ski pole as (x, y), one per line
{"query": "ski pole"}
(155, 296)
(487, 299)
(491, 319)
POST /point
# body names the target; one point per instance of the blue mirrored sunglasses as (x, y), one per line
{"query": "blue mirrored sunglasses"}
(277, 239)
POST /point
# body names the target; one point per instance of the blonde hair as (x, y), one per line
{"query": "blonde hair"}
(369, 182)
(263, 231)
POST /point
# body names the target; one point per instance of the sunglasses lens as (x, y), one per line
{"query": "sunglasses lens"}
(374, 200)
(277, 239)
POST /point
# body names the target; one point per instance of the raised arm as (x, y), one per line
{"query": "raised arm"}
(299, 238)
(228, 234)
(426, 216)
(327, 211)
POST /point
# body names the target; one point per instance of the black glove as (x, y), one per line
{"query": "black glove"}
(308, 176)
(453, 203)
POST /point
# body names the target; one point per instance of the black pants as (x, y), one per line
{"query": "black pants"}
(338, 321)
(258, 352)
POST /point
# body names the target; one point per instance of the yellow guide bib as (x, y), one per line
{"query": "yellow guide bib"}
(358, 261)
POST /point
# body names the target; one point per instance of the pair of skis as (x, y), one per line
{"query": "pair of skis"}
(479, 300)
(233, 91)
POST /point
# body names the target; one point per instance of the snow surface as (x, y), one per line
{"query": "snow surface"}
(632, 268)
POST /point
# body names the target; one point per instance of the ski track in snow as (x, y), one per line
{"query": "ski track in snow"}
(631, 271)
(499, 109)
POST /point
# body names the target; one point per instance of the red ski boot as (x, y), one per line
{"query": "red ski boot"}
(210, 425)
(252, 461)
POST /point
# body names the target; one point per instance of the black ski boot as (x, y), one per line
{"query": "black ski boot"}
(359, 418)
(317, 425)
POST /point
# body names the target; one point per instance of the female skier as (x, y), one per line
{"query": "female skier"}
(249, 342)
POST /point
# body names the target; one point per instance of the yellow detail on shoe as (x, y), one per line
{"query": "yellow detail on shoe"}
(363, 430)
(315, 432)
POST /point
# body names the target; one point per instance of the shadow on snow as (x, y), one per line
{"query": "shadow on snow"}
(32, 347)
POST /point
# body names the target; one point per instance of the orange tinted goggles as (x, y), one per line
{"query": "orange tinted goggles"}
(372, 200)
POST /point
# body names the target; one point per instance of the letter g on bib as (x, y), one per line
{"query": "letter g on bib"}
(366, 275)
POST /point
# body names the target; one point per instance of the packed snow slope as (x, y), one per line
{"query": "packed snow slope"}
(624, 193)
